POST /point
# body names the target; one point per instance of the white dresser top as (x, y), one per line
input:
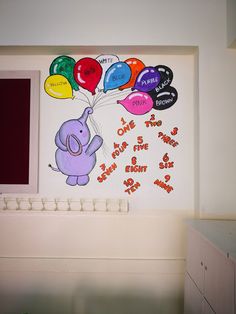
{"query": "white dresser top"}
(221, 233)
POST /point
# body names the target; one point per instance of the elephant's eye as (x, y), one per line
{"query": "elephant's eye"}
(81, 131)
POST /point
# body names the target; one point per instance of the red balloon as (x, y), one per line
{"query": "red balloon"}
(87, 73)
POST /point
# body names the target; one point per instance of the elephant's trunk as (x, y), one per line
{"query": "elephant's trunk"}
(85, 114)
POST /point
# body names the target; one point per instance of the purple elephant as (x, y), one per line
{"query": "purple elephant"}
(75, 156)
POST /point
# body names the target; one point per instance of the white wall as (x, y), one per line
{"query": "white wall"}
(102, 249)
(176, 23)
(54, 112)
(201, 24)
(231, 23)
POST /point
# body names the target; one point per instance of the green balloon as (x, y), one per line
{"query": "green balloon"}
(64, 65)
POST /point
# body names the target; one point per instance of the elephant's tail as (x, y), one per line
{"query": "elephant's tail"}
(53, 168)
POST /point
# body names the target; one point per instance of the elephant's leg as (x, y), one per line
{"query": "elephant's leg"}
(71, 180)
(83, 180)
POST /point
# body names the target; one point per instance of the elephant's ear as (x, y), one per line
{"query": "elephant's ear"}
(59, 142)
(73, 145)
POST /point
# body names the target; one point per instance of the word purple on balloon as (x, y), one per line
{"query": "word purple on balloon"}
(147, 79)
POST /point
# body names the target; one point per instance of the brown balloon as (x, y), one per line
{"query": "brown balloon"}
(164, 99)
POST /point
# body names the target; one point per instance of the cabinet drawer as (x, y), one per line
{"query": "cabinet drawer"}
(212, 272)
(219, 281)
(207, 308)
(195, 254)
(193, 299)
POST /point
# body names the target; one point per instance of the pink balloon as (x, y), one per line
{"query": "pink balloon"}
(137, 103)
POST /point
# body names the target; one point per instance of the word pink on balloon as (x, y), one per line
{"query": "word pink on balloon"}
(137, 103)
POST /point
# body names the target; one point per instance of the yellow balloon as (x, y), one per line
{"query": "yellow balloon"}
(58, 86)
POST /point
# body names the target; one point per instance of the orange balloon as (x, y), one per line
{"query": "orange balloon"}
(136, 66)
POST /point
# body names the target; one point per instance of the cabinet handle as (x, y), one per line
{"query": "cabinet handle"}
(205, 267)
(201, 263)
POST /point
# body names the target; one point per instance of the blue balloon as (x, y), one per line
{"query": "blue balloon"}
(118, 74)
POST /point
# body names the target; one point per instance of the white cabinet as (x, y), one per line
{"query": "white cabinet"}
(207, 308)
(193, 298)
(195, 303)
(210, 267)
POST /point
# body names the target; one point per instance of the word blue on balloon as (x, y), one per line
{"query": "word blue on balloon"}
(117, 75)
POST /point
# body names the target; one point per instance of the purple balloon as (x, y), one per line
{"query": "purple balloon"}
(147, 79)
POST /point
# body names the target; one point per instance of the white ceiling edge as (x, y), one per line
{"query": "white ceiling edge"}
(68, 50)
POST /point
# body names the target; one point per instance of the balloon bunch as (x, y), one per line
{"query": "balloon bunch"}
(148, 87)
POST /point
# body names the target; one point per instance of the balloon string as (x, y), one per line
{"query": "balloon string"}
(110, 96)
(115, 92)
(100, 98)
(106, 101)
(105, 149)
(95, 125)
(98, 95)
(97, 98)
(86, 97)
(122, 94)
(104, 105)
(106, 95)
(82, 100)
(93, 101)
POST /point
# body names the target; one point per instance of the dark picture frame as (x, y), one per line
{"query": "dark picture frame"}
(19, 129)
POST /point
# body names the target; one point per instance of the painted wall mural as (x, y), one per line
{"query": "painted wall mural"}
(142, 91)
(75, 155)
